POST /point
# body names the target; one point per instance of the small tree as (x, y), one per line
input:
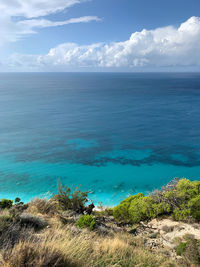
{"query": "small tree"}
(17, 200)
(71, 200)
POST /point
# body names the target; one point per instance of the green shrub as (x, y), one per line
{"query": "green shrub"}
(121, 212)
(137, 208)
(180, 198)
(181, 248)
(5, 203)
(185, 189)
(86, 221)
(185, 200)
(195, 207)
(189, 250)
(67, 199)
(141, 209)
(181, 214)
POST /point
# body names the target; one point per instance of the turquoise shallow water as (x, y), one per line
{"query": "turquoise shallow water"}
(114, 134)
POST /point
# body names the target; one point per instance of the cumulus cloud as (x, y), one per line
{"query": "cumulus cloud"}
(19, 18)
(161, 47)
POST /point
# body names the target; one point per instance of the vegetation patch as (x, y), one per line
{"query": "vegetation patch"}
(86, 221)
(66, 199)
(189, 249)
(179, 199)
(5, 221)
(6, 203)
(121, 238)
(30, 220)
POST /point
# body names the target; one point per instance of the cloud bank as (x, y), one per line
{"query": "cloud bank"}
(161, 47)
(21, 17)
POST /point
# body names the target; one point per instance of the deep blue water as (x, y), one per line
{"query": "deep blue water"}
(114, 134)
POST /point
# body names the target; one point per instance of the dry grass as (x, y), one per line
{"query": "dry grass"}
(113, 245)
(59, 245)
(62, 246)
(41, 206)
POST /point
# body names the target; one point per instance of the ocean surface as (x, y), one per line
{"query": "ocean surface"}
(114, 134)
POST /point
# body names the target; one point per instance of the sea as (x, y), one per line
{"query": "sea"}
(112, 134)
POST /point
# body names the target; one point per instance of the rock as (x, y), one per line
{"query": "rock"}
(102, 229)
(154, 235)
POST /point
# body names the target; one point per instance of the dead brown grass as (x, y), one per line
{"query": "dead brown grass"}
(42, 206)
(60, 246)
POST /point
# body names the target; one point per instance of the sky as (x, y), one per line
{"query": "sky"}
(99, 35)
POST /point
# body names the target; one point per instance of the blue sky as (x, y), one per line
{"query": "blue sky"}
(64, 35)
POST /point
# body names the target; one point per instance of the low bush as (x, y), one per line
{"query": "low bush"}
(180, 249)
(43, 206)
(66, 199)
(121, 212)
(86, 221)
(190, 251)
(5, 203)
(138, 208)
(194, 205)
(30, 220)
(180, 198)
(142, 209)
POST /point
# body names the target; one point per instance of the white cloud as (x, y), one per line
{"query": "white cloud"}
(43, 23)
(161, 47)
(35, 8)
(22, 17)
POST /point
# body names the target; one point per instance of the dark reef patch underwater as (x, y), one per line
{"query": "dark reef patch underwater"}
(113, 133)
